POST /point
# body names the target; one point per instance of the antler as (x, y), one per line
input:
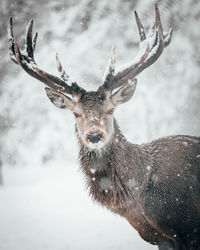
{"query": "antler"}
(27, 62)
(151, 47)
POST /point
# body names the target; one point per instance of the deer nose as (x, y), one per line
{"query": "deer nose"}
(94, 137)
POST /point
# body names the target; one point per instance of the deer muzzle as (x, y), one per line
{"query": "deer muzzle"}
(95, 137)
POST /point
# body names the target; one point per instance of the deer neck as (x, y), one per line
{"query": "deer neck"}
(112, 172)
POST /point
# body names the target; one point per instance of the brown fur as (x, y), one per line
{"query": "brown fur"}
(155, 186)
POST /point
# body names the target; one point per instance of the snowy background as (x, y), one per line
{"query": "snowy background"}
(43, 201)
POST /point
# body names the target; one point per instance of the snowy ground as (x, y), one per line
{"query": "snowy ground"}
(48, 208)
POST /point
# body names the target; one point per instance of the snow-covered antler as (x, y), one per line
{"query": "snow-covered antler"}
(151, 47)
(27, 62)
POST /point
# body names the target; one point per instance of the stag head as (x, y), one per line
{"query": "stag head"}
(93, 110)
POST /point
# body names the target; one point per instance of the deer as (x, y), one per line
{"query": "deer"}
(155, 186)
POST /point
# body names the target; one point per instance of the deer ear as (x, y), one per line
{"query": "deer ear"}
(124, 94)
(59, 100)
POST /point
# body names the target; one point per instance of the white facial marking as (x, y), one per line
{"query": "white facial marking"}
(97, 145)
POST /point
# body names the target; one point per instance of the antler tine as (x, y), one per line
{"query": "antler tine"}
(112, 61)
(11, 41)
(168, 37)
(157, 20)
(28, 40)
(157, 33)
(151, 48)
(62, 72)
(140, 27)
(27, 62)
(110, 71)
(74, 88)
(35, 40)
(17, 51)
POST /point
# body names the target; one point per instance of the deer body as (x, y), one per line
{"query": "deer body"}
(155, 186)
(147, 184)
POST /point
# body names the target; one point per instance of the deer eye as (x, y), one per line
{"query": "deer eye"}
(110, 112)
(77, 115)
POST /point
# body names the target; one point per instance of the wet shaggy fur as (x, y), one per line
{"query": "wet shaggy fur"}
(155, 186)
